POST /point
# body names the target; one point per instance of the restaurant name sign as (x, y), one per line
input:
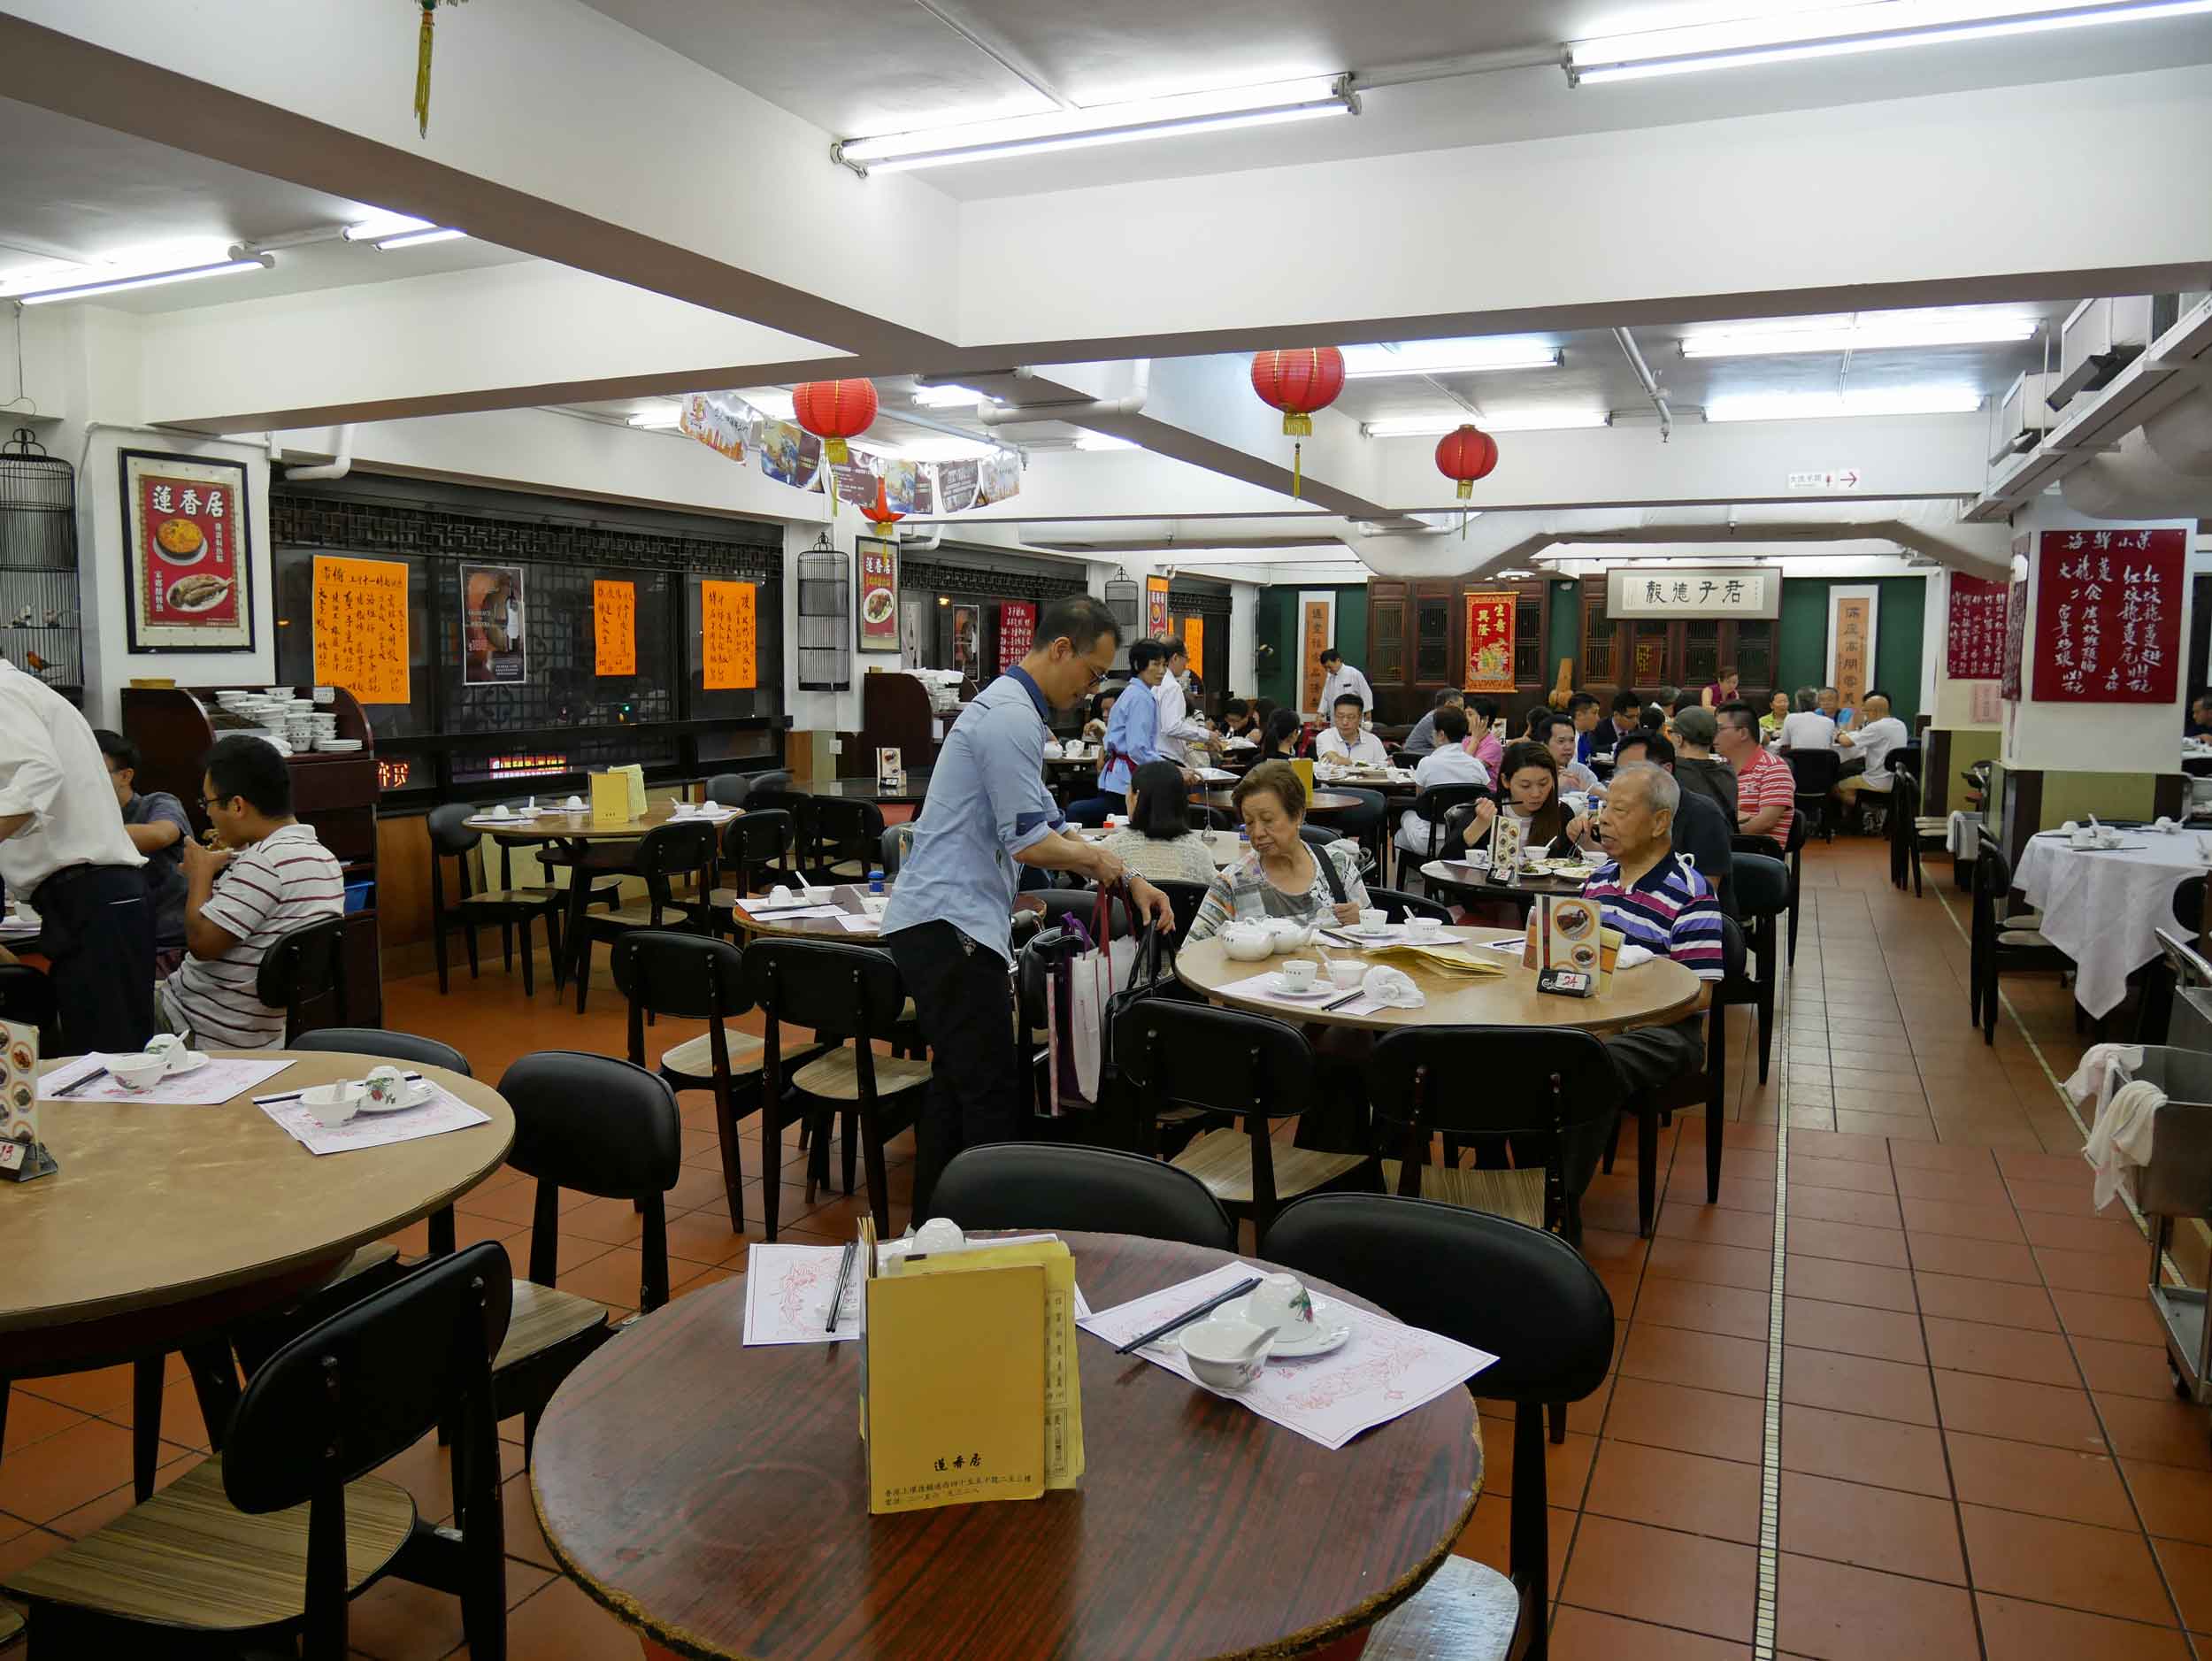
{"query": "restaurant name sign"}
(1693, 591)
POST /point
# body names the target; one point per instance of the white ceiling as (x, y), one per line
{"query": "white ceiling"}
(890, 65)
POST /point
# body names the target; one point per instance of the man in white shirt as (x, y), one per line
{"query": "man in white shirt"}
(1180, 729)
(1805, 727)
(1344, 743)
(63, 848)
(1870, 746)
(1342, 678)
(1451, 762)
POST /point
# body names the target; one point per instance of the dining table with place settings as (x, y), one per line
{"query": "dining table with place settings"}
(2103, 906)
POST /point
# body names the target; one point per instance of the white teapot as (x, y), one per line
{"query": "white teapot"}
(1247, 943)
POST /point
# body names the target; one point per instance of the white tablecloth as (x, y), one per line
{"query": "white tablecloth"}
(2103, 909)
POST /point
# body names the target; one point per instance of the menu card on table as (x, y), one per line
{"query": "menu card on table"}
(1386, 1368)
(209, 1085)
(442, 1113)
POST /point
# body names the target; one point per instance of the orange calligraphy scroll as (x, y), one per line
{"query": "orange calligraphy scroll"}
(728, 647)
(614, 627)
(1195, 642)
(361, 628)
(1489, 640)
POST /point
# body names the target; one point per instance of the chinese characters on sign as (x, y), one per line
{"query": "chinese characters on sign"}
(1195, 643)
(1975, 634)
(1852, 650)
(2016, 641)
(2109, 616)
(1319, 617)
(721, 427)
(1692, 591)
(185, 532)
(727, 644)
(1156, 608)
(614, 629)
(361, 628)
(879, 594)
(1017, 632)
(1489, 641)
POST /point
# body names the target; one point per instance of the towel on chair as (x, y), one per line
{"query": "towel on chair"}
(2104, 1068)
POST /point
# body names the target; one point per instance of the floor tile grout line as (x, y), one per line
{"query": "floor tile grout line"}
(1766, 1611)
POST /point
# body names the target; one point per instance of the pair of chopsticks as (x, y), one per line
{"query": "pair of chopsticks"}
(844, 1278)
(1189, 1315)
(294, 1096)
(93, 1077)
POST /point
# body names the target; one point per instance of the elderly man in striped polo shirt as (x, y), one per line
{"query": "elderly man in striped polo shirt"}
(1658, 902)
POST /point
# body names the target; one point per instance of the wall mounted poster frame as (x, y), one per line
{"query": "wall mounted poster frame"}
(879, 577)
(189, 547)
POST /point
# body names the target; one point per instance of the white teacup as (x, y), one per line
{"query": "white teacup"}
(1298, 974)
(386, 1087)
(1280, 1301)
(574, 804)
(499, 810)
(1348, 972)
(939, 1233)
(137, 1074)
(780, 895)
(1423, 928)
(1373, 919)
(2083, 839)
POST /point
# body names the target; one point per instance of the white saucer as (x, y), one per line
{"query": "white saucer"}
(1388, 931)
(188, 1061)
(1331, 1330)
(422, 1091)
(1276, 988)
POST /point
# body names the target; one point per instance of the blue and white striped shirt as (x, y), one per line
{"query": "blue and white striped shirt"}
(1669, 912)
(987, 803)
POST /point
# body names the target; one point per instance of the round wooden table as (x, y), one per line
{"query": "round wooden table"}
(1317, 800)
(1226, 847)
(165, 1221)
(912, 791)
(1650, 994)
(1452, 880)
(582, 827)
(714, 1497)
(846, 896)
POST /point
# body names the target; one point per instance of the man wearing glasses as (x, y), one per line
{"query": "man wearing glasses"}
(950, 924)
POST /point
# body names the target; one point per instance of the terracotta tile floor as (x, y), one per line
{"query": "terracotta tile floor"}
(1978, 1453)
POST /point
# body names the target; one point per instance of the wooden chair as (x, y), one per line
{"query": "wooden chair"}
(848, 991)
(304, 967)
(2154, 1012)
(757, 850)
(677, 863)
(602, 1128)
(2002, 940)
(729, 789)
(1436, 803)
(375, 1040)
(506, 907)
(1175, 1054)
(1031, 1185)
(269, 1540)
(1516, 1292)
(1185, 898)
(1762, 895)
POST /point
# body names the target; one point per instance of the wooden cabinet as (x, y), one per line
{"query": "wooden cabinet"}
(1416, 642)
(1647, 653)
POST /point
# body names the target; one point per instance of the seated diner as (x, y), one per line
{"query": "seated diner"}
(1284, 875)
(1345, 741)
(1532, 799)
(1159, 841)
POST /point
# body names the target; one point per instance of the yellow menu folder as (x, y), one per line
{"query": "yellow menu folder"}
(636, 775)
(611, 799)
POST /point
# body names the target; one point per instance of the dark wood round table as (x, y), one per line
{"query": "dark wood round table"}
(912, 791)
(1319, 801)
(714, 1497)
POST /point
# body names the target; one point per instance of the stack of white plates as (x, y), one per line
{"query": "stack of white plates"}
(338, 746)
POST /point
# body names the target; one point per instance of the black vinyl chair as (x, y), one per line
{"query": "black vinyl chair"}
(27, 999)
(599, 1126)
(2153, 1013)
(729, 789)
(758, 848)
(1062, 904)
(848, 991)
(424, 1052)
(1186, 899)
(1318, 835)
(1434, 803)
(840, 841)
(1762, 895)
(1816, 772)
(1034, 1185)
(1367, 824)
(304, 969)
(507, 908)
(1396, 905)
(1911, 832)
(898, 842)
(2002, 940)
(1514, 1292)
(1179, 1055)
(268, 1540)
(677, 863)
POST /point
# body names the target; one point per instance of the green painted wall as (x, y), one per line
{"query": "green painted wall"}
(1899, 619)
(1275, 623)
(1565, 639)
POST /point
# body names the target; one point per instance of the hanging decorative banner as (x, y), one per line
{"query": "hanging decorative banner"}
(1693, 591)
(879, 593)
(2014, 686)
(1851, 622)
(1017, 632)
(1974, 634)
(495, 637)
(999, 479)
(1489, 640)
(1156, 608)
(789, 454)
(1195, 642)
(902, 481)
(856, 485)
(2107, 615)
(720, 426)
(1317, 629)
(957, 485)
(361, 628)
(729, 655)
(614, 629)
(184, 524)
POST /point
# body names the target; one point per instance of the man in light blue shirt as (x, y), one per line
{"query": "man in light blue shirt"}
(950, 924)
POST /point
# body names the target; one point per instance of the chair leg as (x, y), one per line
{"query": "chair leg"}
(1647, 1168)
(507, 947)
(771, 1160)
(1555, 1413)
(583, 966)
(1715, 1131)
(850, 1125)
(1612, 1145)
(437, 948)
(146, 1380)
(215, 1381)
(1766, 1021)
(1528, 1543)
(879, 1183)
(733, 1160)
(529, 969)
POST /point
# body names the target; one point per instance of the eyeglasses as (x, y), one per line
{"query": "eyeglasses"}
(213, 801)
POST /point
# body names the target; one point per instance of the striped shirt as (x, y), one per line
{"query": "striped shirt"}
(1242, 892)
(1764, 781)
(1669, 912)
(286, 879)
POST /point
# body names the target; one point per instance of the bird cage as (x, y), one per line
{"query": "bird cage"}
(39, 620)
(825, 618)
(1125, 600)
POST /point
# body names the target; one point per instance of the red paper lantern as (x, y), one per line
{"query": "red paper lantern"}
(877, 513)
(834, 411)
(1298, 384)
(1466, 453)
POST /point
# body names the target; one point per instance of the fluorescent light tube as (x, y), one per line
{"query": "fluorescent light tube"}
(1796, 406)
(1303, 99)
(1102, 441)
(1447, 357)
(85, 287)
(380, 225)
(1513, 421)
(949, 396)
(1895, 333)
(1839, 31)
(671, 416)
(420, 239)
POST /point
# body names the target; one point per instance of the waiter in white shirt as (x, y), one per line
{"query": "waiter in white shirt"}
(1177, 725)
(64, 849)
(1343, 678)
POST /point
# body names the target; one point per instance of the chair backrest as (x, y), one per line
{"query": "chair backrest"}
(1904, 801)
(1537, 1079)
(1817, 770)
(898, 840)
(304, 966)
(676, 851)
(367, 1384)
(1372, 805)
(1397, 905)
(838, 830)
(1205, 817)
(689, 977)
(1762, 884)
(851, 990)
(1522, 1294)
(1037, 1185)
(450, 833)
(26, 998)
(1434, 802)
(770, 789)
(375, 1041)
(1319, 835)
(2189, 904)
(1174, 1054)
(761, 836)
(1185, 897)
(1992, 871)
(728, 790)
(594, 1124)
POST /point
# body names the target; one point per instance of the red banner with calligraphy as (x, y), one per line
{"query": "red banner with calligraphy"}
(1017, 632)
(1489, 640)
(2014, 687)
(1974, 633)
(2107, 615)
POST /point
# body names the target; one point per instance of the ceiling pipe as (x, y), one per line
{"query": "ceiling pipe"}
(337, 468)
(1649, 381)
(1077, 412)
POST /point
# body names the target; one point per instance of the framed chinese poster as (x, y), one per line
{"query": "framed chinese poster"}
(184, 536)
(879, 593)
(1489, 666)
(1974, 636)
(2108, 615)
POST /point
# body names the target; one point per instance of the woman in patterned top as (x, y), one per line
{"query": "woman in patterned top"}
(1282, 876)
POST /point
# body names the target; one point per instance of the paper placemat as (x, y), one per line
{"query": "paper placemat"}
(442, 1113)
(1261, 988)
(1386, 1368)
(208, 1085)
(786, 914)
(859, 925)
(788, 1292)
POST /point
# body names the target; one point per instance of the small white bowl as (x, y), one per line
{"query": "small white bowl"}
(1213, 1346)
(332, 1104)
(138, 1073)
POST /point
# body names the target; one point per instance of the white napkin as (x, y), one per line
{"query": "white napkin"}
(1393, 988)
(2104, 1068)
(2169, 825)
(1631, 956)
(2120, 1141)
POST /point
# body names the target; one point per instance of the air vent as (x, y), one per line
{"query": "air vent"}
(2100, 338)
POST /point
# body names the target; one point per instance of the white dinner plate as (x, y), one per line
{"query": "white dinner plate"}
(1330, 1329)
(188, 1061)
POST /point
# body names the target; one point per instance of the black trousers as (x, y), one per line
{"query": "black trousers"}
(96, 928)
(964, 1004)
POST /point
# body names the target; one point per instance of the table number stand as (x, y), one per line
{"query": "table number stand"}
(22, 1156)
